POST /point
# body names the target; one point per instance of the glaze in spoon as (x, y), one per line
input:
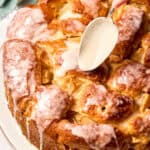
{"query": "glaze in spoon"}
(98, 40)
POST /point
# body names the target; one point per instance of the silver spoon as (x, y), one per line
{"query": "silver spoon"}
(98, 40)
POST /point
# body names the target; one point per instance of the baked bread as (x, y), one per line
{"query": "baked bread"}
(61, 107)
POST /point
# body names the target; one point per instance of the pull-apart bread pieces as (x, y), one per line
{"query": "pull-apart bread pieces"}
(131, 76)
(57, 105)
(142, 55)
(128, 19)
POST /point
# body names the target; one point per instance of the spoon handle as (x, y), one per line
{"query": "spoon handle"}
(115, 4)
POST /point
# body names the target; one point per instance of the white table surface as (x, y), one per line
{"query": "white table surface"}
(4, 144)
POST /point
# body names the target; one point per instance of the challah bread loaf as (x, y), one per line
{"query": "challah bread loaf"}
(57, 105)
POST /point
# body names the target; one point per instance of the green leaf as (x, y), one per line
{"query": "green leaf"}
(2, 2)
(9, 5)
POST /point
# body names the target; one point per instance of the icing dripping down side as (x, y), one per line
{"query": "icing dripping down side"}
(19, 63)
(41, 139)
(67, 12)
(69, 59)
(52, 104)
(28, 128)
(96, 136)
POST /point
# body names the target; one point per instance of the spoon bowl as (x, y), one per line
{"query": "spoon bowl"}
(97, 42)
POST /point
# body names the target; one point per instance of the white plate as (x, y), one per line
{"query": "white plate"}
(8, 124)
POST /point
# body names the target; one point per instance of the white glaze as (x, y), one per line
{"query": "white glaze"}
(19, 60)
(41, 139)
(67, 12)
(28, 127)
(33, 26)
(50, 106)
(9, 126)
(97, 136)
(131, 74)
(129, 23)
(69, 58)
(91, 101)
(96, 98)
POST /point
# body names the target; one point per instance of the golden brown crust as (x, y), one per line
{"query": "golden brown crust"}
(130, 77)
(128, 19)
(142, 55)
(51, 8)
(22, 51)
(64, 135)
(103, 105)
